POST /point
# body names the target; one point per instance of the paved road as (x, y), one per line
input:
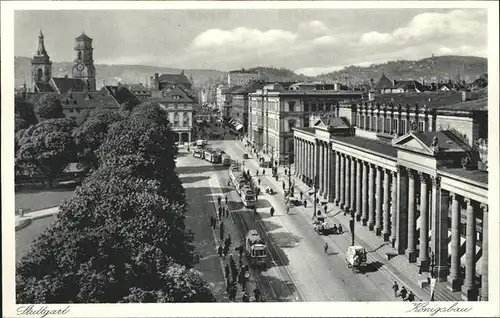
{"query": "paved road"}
(313, 275)
(26, 236)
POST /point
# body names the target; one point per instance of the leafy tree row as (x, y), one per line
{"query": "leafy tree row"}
(122, 236)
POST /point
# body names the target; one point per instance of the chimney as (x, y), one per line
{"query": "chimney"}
(465, 96)
(394, 82)
(371, 96)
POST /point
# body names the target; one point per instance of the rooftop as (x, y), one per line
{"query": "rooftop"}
(88, 100)
(475, 175)
(371, 145)
(66, 84)
(174, 79)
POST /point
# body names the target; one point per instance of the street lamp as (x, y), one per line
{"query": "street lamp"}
(351, 226)
(314, 192)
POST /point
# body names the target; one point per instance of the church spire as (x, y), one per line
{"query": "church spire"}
(40, 51)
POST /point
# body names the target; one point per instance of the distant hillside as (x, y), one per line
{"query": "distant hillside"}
(112, 74)
(430, 69)
(437, 68)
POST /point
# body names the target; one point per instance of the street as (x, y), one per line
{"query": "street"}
(298, 269)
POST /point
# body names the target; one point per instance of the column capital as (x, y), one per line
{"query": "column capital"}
(413, 174)
(454, 196)
(469, 202)
(401, 169)
(436, 181)
(423, 176)
(484, 207)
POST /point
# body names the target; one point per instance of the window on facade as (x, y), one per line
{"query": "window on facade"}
(367, 122)
(291, 106)
(328, 107)
(395, 125)
(39, 74)
(185, 120)
(313, 107)
(176, 119)
(403, 126)
(306, 122)
(306, 107)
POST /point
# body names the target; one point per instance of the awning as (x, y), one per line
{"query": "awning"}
(238, 126)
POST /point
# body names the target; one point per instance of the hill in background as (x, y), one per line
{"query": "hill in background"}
(428, 69)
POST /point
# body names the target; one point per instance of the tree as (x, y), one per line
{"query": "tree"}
(115, 240)
(145, 143)
(24, 113)
(46, 148)
(91, 134)
(48, 106)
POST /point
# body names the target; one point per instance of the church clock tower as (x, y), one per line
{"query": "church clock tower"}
(83, 63)
(41, 66)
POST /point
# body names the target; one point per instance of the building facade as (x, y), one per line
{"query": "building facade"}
(275, 111)
(419, 185)
(241, 77)
(179, 106)
(83, 63)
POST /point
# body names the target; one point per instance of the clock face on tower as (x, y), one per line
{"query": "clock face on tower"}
(79, 66)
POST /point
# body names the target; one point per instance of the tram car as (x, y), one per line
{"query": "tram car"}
(255, 249)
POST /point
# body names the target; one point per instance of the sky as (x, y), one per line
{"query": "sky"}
(308, 41)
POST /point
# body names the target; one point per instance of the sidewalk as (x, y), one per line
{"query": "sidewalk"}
(28, 217)
(229, 228)
(396, 269)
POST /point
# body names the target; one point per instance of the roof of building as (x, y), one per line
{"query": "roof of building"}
(88, 100)
(168, 94)
(121, 94)
(410, 85)
(43, 87)
(83, 37)
(242, 71)
(475, 175)
(174, 79)
(446, 140)
(451, 100)
(372, 145)
(63, 85)
(137, 87)
(384, 83)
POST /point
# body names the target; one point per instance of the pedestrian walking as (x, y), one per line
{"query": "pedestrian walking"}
(225, 250)
(403, 293)
(258, 181)
(211, 221)
(219, 200)
(283, 184)
(411, 296)
(245, 298)
(325, 248)
(220, 212)
(256, 293)
(286, 172)
(226, 271)
(305, 203)
(219, 250)
(221, 231)
(317, 200)
(395, 287)
(301, 195)
(287, 209)
(227, 212)
(225, 198)
(229, 240)
(241, 249)
(271, 211)
(325, 207)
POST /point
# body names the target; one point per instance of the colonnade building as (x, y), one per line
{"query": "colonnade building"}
(415, 175)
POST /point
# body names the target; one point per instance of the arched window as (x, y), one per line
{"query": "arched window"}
(79, 55)
(291, 124)
(39, 74)
(176, 119)
(185, 120)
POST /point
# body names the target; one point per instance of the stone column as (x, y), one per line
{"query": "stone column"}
(353, 185)
(365, 194)
(302, 157)
(337, 178)
(347, 186)
(328, 173)
(378, 201)
(319, 171)
(411, 251)
(402, 210)
(371, 197)
(469, 290)
(439, 235)
(325, 170)
(484, 261)
(332, 175)
(316, 161)
(342, 181)
(311, 161)
(455, 279)
(394, 208)
(423, 258)
(359, 177)
(386, 222)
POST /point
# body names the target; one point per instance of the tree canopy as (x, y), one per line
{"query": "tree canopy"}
(91, 134)
(24, 113)
(144, 143)
(46, 148)
(48, 106)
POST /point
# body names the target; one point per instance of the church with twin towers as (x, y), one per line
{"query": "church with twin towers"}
(83, 69)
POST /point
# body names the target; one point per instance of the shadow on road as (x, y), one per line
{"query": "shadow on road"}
(193, 179)
(263, 203)
(199, 169)
(372, 267)
(270, 226)
(379, 247)
(277, 290)
(285, 239)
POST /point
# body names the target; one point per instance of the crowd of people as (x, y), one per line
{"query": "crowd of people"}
(403, 293)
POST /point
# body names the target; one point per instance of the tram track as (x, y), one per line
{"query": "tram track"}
(264, 280)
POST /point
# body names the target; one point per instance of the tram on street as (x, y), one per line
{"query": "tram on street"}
(255, 249)
(212, 156)
(198, 153)
(226, 160)
(247, 196)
